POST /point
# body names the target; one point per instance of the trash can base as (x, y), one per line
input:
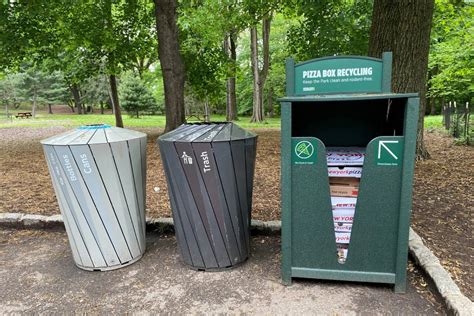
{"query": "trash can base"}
(216, 269)
(115, 267)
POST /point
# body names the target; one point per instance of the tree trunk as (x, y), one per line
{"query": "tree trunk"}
(33, 110)
(115, 101)
(206, 111)
(256, 112)
(171, 62)
(77, 97)
(404, 28)
(101, 107)
(260, 76)
(70, 104)
(270, 102)
(433, 106)
(50, 110)
(231, 51)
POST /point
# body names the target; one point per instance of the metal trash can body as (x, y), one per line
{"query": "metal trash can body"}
(210, 169)
(98, 174)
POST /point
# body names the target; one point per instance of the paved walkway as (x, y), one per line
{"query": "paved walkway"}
(37, 274)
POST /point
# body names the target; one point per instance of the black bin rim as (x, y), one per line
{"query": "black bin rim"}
(207, 132)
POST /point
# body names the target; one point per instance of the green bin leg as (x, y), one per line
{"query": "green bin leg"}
(285, 277)
(401, 284)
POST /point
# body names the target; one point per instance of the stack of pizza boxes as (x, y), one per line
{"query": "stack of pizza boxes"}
(345, 170)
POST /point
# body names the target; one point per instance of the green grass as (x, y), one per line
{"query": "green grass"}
(74, 120)
(244, 122)
(433, 121)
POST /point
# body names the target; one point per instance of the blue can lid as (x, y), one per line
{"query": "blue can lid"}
(95, 126)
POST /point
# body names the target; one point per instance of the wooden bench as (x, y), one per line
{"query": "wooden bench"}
(23, 115)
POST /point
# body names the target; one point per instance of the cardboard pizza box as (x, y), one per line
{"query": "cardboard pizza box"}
(338, 202)
(343, 216)
(343, 238)
(345, 156)
(344, 171)
(355, 182)
(344, 191)
(342, 227)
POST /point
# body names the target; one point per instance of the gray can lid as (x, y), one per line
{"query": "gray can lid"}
(93, 134)
(207, 133)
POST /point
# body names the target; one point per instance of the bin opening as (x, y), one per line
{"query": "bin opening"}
(348, 123)
(345, 172)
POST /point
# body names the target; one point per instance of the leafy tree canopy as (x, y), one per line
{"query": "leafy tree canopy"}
(330, 27)
(451, 62)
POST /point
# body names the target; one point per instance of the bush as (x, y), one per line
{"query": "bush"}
(135, 97)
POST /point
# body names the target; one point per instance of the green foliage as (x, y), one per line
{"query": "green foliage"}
(94, 92)
(81, 38)
(254, 11)
(330, 27)
(276, 76)
(135, 97)
(153, 80)
(201, 46)
(10, 92)
(278, 54)
(114, 34)
(451, 61)
(26, 31)
(41, 87)
(81, 42)
(55, 90)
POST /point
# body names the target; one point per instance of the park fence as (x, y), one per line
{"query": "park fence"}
(458, 121)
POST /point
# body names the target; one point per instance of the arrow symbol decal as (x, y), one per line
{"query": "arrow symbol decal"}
(382, 145)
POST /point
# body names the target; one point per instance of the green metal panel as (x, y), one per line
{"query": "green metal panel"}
(357, 276)
(347, 97)
(286, 231)
(374, 231)
(338, 74)
(313, 241)
(411, 120)
(373, 246)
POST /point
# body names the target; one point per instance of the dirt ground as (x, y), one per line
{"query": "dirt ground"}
(38, 276)
(442, 208)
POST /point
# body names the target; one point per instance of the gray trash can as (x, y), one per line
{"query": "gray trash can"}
(210, 169)
(98, 174)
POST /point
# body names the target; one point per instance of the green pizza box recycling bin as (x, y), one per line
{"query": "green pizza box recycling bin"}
(348, 151)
